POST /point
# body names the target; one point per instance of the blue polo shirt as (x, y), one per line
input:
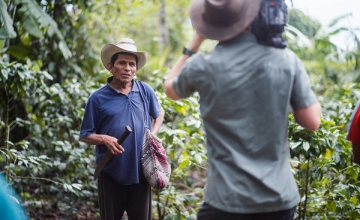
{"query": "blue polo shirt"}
(108, 111)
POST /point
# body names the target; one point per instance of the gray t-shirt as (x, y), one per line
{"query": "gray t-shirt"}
(246, 90)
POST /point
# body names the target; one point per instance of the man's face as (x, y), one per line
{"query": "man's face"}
(124, 68)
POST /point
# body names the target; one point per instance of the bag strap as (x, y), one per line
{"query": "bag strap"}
(143, 100)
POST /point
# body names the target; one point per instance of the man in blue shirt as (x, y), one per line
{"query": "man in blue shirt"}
(246, 93)
(122, 185)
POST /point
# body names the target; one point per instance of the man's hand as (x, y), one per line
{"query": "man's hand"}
(112, 144)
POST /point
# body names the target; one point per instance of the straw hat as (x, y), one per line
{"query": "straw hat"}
(126, 45)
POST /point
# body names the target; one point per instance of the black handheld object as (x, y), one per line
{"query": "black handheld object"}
(270, 23)
(124, 135)
(108, 154)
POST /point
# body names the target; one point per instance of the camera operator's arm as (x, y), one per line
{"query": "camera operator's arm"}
(194, 45)
(309, 117)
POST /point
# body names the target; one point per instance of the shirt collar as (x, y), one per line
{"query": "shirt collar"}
(135, 87)
(242, 38)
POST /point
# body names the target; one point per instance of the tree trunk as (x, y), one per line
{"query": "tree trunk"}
(163, 31)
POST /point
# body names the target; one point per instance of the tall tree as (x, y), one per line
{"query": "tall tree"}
(304, 23)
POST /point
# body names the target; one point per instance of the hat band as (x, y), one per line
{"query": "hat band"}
(123, 42)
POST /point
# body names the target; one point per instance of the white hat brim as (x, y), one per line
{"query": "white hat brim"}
(110, 49)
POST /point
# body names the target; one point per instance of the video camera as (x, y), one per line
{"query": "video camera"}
(269, 25)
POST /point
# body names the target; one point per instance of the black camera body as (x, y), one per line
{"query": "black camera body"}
(269, 25)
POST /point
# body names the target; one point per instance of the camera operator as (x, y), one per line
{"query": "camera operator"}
(246, 90)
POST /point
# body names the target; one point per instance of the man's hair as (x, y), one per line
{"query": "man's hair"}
(115, 56)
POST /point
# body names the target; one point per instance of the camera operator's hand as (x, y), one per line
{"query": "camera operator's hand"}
(196, 42)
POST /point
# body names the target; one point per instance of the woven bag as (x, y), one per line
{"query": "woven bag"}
(154, 162)
(155, 165)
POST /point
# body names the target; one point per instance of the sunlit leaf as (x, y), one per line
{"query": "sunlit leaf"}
(328, 154)
(354, 200)
(306, 146)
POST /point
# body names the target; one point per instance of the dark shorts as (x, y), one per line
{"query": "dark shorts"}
(207, 212)
(115, 198)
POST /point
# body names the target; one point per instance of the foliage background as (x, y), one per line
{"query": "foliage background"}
(50, 64)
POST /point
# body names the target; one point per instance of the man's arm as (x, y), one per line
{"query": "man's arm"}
(309, 117)
(356, 152)
(102, 139)
(157, 122)
(194, 45)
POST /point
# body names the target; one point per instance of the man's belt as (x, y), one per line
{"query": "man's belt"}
(108, 154)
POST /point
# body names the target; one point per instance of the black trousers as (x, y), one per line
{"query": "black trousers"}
(115, 198)
(207, 212)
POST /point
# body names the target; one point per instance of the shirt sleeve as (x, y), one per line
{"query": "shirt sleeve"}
(185, 82)
(301, 96)
(88, 125)
(154, 105)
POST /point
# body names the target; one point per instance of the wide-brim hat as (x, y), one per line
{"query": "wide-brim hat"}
(126, 45)
(222, 19)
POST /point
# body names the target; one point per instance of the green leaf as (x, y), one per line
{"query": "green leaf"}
(354, 174)
(26, 162)
(303, 166)
(68, 188)
(331, 206)
(19, 51)
(336, 20)
(181, 109)
(5, 72)
(22, 122)
(7, 30)
(198, 158)
(10, 143)
(306, 146)
(29, 21)
(183, 164)
(33, 160)
(64, 49)
(76, 186)
(34, 18)
(328, 154)
(294, 145)
(354, 200)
